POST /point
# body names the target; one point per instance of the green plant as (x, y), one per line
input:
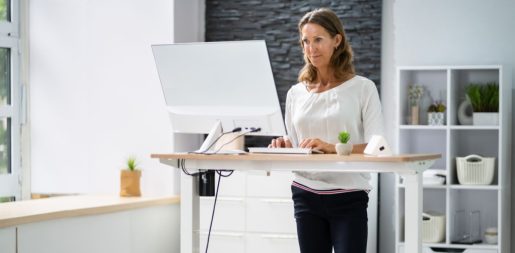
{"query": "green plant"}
(344, 137)
(415, 93)
(131, 163)
(484, 97)
(436, 106)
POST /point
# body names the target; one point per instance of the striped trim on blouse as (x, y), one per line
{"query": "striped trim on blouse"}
(326, 192)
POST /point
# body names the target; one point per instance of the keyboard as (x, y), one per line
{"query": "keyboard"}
(285, 151)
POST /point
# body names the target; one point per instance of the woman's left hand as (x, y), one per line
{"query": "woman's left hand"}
(318, 144)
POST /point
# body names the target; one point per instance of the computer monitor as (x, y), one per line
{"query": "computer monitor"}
(214, 87)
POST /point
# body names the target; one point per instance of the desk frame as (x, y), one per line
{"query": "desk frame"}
(409, 166)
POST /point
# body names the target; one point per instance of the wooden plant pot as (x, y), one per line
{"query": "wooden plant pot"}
(129, 183)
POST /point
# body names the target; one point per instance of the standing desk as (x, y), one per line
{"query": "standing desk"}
(409, 166)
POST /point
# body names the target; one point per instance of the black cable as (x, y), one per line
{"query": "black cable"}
(252, 130)
(214, 207)
(237, 129)
(219, 172)
(182, 165)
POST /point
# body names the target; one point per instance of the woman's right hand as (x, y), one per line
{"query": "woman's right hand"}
(281, 142)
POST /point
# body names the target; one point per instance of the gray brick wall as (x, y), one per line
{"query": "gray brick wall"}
(275, 21)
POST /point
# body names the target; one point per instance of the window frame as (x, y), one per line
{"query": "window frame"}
(12, 28)
(10, 184)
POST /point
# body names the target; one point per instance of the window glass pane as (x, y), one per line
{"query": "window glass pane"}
(6, 199)
(5, 146)
(5, 10)
(5, 76)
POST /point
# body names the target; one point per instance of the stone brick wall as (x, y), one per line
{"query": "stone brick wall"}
(275, 21)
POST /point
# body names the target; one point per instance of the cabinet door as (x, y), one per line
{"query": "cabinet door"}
(223, 242)
(277, 185)
(8, 240)
(272, 243)
(271, 215)
(233, 186)
(229, 214)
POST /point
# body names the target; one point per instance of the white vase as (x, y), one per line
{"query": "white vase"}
(436, 118)
(343, 148)
(485, 118)
(465, 113)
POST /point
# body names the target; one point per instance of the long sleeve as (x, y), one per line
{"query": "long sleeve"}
(371, 113)
(290, 128)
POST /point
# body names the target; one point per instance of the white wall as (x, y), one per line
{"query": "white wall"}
(439, 32)
(190, 16)
(95, 94)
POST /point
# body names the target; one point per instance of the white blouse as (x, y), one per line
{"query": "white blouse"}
(352, 106)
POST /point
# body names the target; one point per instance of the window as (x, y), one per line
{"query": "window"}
(9, 102)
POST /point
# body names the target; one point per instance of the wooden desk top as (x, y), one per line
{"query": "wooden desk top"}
(301, 157)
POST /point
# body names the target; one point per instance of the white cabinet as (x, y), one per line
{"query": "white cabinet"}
(254, 213)
(8, 240)
(152, 229)
(272, 243)
(273, 215)
(465, 206)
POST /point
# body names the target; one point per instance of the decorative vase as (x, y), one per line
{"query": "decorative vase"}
(485, 118)
(436, 118)
(130, 183)
(414, 115)
(343, 148)
(465, 113)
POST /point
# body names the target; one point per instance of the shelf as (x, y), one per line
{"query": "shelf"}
(453, 127)
(474, 127)
(474, 187)
(422, 127)
(461, 204)
(428, 186)
(458, 246)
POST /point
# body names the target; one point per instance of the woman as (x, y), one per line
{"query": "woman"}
(330, 208)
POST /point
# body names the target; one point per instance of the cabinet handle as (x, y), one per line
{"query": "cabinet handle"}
(230, 199)
(278, 201)
(223, 234)
(225, 199)
(278, 236)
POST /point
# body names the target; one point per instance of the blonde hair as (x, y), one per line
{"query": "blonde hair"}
(341, 60)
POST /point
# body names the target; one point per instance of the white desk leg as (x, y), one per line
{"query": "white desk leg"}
(413, 213)
(189, 214)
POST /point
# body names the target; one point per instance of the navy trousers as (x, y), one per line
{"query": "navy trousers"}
(336, 221)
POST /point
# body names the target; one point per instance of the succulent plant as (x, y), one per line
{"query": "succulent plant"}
(131, 163)
(344, 137)
(436, 106)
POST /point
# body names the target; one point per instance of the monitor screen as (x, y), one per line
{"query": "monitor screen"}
(227, 82)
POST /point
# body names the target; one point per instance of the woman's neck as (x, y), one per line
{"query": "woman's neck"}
(326, 78)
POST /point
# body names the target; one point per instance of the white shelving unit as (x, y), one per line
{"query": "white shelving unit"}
(447, 83)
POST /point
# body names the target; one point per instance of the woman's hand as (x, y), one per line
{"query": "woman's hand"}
(281, 142)
(318, 144)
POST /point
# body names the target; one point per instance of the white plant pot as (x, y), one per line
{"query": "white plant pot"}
(343, 149)
(485, 118)
(436, 118)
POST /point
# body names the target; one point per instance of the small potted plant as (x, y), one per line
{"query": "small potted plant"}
(130, 179)
(344, 147)
(485, 103)
(436, 114)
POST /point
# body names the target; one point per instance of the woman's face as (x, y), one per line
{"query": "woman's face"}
(318, 44)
